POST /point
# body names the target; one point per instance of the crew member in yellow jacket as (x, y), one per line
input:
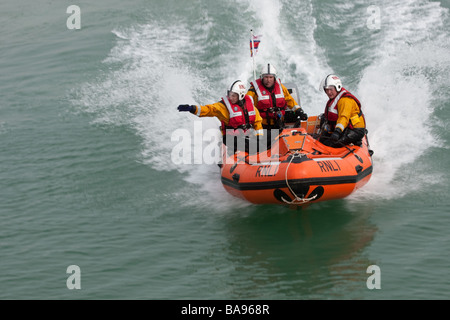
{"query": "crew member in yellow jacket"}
(343, 121)
(236, 112)
(272, 98)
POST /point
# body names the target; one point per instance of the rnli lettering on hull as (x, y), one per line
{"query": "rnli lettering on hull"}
(266, 171)
(328, 165)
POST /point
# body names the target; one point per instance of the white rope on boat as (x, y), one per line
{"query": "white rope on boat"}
(297, 200)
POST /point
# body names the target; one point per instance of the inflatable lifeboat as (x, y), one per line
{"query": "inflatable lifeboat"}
(298, 169)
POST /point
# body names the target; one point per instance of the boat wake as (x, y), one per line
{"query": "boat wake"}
(146, 77)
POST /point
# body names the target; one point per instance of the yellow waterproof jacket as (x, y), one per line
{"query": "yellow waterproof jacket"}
(348, 109)
(290, 101)
(220, 111)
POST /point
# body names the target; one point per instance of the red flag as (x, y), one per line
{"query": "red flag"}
(254, 44)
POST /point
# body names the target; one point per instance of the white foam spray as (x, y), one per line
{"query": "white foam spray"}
(152, 75)
(291, 48)
(143, 94)
(398, 92)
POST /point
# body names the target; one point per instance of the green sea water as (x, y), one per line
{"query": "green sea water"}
(88, 178)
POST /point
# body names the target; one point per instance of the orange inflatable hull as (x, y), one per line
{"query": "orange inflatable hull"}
(297, 170)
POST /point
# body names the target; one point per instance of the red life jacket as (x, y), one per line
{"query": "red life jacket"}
(331, 109)
(240, 117)
(270, 102)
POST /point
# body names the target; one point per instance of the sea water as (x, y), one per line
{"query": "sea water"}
(89, 91)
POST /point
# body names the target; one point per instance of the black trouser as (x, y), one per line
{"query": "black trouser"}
(354, 136)
(241, 143)
(268, 136)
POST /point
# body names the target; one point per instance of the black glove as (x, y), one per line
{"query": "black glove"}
(186, 107)
(302, 115)
(336, 134)
(322, 120)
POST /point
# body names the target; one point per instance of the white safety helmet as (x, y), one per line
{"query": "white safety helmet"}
(238, 87)
(267, 70)
(331, 80)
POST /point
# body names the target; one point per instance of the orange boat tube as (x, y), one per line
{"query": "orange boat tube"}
(297, 170)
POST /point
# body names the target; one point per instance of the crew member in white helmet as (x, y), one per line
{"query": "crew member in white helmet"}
(272, 98)
(236, 111)
(343, 121)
